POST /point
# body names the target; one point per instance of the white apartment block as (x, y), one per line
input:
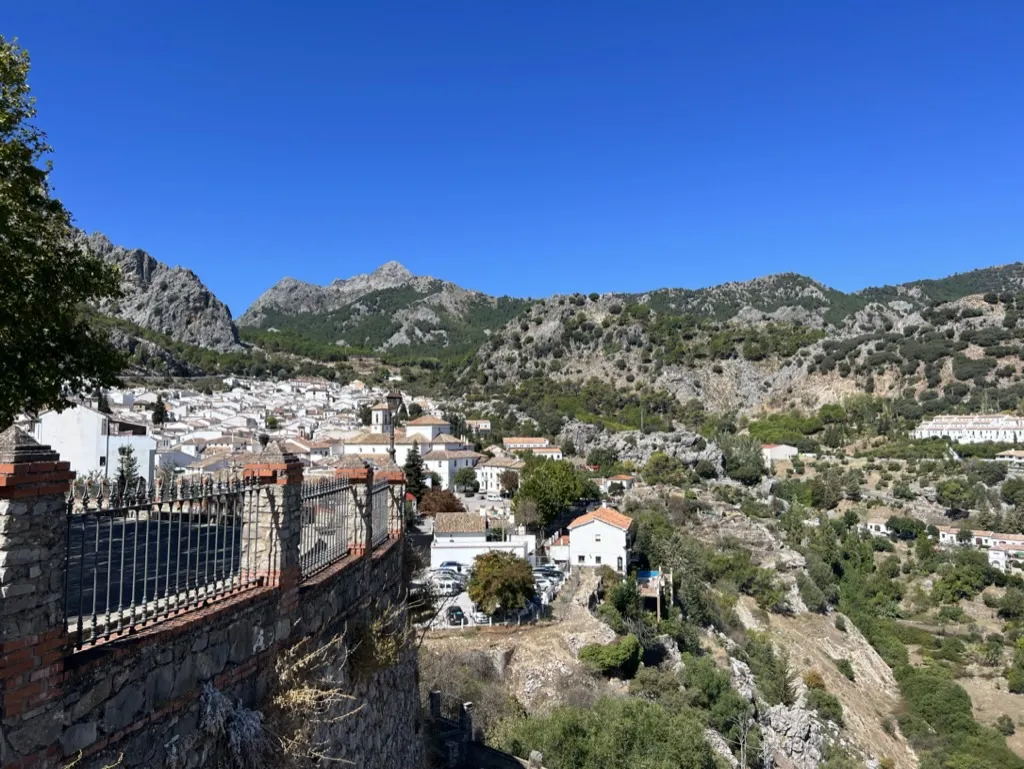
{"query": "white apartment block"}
(973, 428)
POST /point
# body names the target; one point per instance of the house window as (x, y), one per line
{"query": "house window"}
(582, 559)
(597, 560)
(597, 537)
(103, 461)
(620, 563)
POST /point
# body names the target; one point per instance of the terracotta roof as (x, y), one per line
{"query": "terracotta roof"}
(621, 478)
(526, 441)
(442, 455)
(426, 419)
(606, 514)
(380, 407)
(458, 523)
(511, 463)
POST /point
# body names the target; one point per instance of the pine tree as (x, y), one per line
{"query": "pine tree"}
(127, 470)
(414, 473)
(159, 411)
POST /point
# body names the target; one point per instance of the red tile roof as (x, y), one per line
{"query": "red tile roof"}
(606, 514)
(427, 420)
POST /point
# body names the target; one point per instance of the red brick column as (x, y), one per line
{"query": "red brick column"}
(274, 511)
(33, 629)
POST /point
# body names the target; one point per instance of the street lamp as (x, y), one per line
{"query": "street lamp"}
(394, 401)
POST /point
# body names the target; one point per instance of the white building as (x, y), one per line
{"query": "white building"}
(427, 428)
(627, 482)
(601, 538)
(489, 472)
(447, 463)
(525, 443)
(479, 426)
(1012, 457)
(973, 428)
(777, 452)
(90, 441)
(461, 537)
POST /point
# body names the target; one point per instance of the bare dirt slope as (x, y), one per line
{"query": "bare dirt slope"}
(872, 697)
(538, 662)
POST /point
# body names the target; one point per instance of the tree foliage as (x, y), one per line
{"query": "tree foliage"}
(415, 475)
(440, 501)
(51, 351)
(500, 581)
(615, 732)
(552, 486)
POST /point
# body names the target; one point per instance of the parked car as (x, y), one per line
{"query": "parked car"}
(449, 575)
(492, 497)
(456, 616)
(453, 565)
(480, 617)
(447, 587)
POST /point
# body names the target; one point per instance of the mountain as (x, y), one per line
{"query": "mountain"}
(168, 300)
(776, 342)
(389, 309)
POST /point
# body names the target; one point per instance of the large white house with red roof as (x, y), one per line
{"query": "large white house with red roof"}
(602, 537)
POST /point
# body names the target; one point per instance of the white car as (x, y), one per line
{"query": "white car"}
(492, 497)
(447, 587)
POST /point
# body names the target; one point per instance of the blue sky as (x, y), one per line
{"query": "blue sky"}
(530, 147)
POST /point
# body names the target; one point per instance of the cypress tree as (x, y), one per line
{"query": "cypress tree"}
(414, 473)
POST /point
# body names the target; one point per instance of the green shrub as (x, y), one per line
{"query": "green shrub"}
(826, 704)
(1005, 725)
(843, 666)
(619, 658)
(840, 623)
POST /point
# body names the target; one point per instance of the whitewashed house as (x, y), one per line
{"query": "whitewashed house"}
(489, 472)
(525, 443)
(601, 538)
(461, 537)
(777, 452)
(447, 463)
(90, 441)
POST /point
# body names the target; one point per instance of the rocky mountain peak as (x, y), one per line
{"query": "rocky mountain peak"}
(169, 300)
(392, 271)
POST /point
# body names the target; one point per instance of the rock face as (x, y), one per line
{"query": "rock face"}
(796, 733)
(637, 447)
(169, 300)
(293, 296)
(389, 307)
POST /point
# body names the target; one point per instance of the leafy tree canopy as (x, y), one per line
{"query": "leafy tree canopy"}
(500, 581)
(51, 352)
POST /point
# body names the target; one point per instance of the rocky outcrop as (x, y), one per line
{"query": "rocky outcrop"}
(169, 300)
(637, 447)
(796, 733)
(292, 297)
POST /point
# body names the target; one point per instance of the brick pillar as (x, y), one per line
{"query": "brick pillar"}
(274, 511)
(33, 629)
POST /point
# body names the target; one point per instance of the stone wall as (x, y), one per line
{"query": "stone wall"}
(179, 693)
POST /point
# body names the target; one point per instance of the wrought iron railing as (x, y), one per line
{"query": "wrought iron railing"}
(379, 498)
(325, 524)
(137, 555)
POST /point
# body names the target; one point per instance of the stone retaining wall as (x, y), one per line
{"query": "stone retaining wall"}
(148, 699)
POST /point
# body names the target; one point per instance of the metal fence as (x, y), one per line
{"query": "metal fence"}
(136, 555)
(379, 512)
(325, 524)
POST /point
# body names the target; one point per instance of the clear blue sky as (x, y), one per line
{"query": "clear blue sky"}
(530, 147)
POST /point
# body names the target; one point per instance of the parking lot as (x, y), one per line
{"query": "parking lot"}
(471, 618)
